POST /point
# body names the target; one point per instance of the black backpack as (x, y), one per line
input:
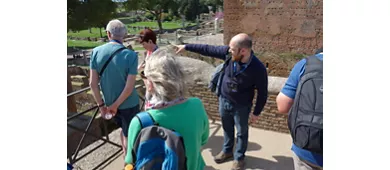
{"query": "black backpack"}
(305, 118)
(216, 77)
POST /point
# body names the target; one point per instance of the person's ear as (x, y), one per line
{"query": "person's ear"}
(150, 86)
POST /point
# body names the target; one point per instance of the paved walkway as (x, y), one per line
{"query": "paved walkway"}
(267, 150)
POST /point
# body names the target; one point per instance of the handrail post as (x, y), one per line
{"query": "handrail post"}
(71, 99)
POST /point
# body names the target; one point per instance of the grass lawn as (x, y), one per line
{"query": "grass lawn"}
(166, 25)
(292, 55)
(86, 33)
(95, 31)
(83, 44)
(138, 48)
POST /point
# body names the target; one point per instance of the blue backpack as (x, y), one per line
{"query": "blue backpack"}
(157, 147)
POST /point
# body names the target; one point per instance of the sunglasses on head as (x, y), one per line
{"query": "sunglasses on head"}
(139, 38)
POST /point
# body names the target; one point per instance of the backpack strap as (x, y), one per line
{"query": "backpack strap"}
(145, 119)
(109, 59)
(226, 63)
(313, 63)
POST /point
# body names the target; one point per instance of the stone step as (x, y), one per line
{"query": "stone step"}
(80, 79)
(78, 85)
(78, 70)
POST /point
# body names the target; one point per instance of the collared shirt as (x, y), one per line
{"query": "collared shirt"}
(148, 53)
(239, 67)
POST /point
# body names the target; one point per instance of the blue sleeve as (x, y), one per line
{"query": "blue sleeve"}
(291, 85)
(262, 90)
(133, 63)
(92, 60)
(208, 50)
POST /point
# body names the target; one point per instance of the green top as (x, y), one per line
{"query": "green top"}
(189, 119)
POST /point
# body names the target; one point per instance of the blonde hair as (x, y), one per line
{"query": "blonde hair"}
(166, 74)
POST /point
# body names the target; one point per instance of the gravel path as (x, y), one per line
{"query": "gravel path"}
(99, 155)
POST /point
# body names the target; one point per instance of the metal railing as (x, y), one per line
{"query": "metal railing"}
(74, 157)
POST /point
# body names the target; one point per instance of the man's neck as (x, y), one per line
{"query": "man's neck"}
(115, 41)
(246, 58)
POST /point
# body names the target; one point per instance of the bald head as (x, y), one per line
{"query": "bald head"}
(240, 47)
(242, 40)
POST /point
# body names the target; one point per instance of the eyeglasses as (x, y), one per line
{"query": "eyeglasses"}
(140, 39)
(142, 74)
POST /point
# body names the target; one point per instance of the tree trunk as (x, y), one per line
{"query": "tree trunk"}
(101, 35)
(160, 28)
(90, 30)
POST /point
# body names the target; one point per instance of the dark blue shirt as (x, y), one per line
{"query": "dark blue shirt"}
(239, 87)
(289, 90)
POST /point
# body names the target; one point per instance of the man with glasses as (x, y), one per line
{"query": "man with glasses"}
(243, 74)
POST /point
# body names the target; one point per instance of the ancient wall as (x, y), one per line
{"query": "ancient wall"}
(276, 25)
(269, 119)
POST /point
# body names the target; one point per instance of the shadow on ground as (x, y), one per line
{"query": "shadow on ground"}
(215, 145)
(282, 163)
(209, 168)
(215, 142)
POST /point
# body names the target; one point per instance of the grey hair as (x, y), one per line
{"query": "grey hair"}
(166, 74)
(117, 29)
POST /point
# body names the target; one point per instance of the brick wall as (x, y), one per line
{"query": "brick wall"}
(276, 25)
(269, 118)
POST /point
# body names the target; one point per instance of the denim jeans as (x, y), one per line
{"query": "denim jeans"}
(234, 115)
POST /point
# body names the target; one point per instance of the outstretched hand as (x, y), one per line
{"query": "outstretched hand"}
(179, 48)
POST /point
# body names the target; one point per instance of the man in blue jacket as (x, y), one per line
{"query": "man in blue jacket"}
(243, 74)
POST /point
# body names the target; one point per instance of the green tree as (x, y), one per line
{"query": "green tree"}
(213, 3)
(190, 9)
(76, 16)
(90, 13)
(100, 12)
(155, 7)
